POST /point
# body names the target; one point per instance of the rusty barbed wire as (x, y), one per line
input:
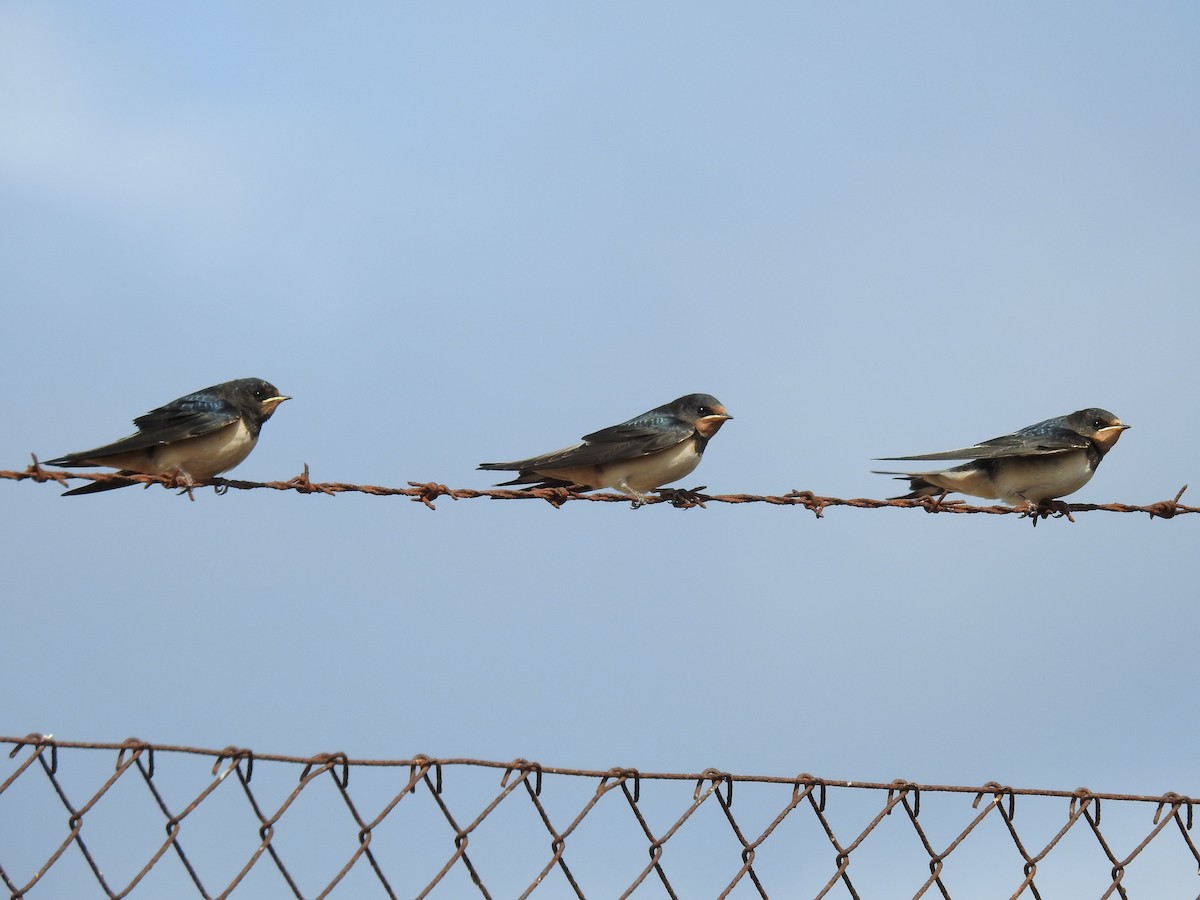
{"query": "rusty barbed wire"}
(802, 795)
(427, 492)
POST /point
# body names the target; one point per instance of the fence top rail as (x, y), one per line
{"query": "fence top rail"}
(37, 743)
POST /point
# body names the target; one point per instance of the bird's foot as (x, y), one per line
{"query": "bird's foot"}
(639, 499)
(183, 481)
(1046, 509)
(934, 504)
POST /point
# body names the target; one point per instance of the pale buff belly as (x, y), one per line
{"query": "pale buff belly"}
(637, 475)
(200, 457)
(1033, 478)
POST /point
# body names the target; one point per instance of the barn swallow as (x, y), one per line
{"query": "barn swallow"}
(655, 448)
(1032, 466)
(192, 438)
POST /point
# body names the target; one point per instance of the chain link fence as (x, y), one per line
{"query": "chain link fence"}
(110, 820)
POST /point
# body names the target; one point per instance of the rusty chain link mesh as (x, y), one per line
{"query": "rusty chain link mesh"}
(174, 820)
(427, 492)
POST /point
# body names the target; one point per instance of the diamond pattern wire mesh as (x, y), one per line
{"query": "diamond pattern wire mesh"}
(88, 819)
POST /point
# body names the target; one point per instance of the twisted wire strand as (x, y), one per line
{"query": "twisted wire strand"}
(427, 492)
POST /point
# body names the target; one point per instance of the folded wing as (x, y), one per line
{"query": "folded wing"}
(1036, 440)
(641, 436)
(190, 416)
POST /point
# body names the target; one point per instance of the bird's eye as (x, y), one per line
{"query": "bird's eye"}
(704, 410)
(260, 394)
(1097, 424)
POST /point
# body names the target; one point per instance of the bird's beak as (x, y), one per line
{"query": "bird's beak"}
(1109, 435)
(270, 403)
(711, 424)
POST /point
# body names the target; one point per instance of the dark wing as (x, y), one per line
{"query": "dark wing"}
(187, 417)
(648, 433)
(97, 486)
(1041, 439)
(535, 480)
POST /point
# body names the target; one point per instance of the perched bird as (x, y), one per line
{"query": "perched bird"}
(192, 438)
(655, 448)
(1032, 466)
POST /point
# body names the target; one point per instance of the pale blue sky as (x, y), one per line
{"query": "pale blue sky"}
(469, 232)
